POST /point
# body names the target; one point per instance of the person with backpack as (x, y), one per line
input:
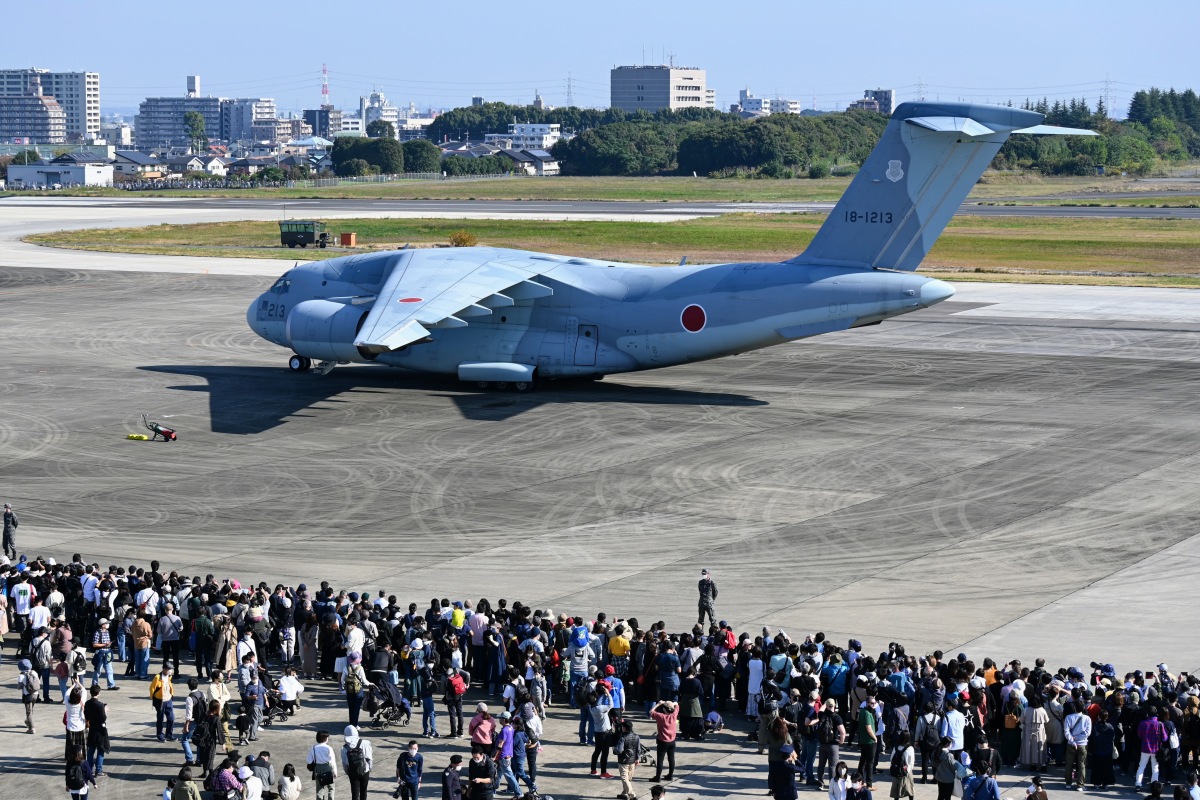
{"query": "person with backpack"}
(457, 681)
(982, 786)
(41, 661)
(79, 776)
(928, 737)
(29, 682)
(901, 767)
(830, 735)
(354, 683)
(356, 760)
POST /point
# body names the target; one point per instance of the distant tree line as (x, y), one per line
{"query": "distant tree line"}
(355, 156)
(1161, 127)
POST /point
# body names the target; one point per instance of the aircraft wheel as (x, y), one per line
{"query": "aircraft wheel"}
(299, 364)
(523, 386)
(483, 384)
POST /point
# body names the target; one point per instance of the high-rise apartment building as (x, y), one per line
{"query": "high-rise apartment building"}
(32, 118)
(239, 116)
(651, 88)
(160, 119)
(881, 100)
(77, 94)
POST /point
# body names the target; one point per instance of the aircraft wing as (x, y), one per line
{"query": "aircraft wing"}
(429, 289)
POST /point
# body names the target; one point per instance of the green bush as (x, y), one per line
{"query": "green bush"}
(818, 169)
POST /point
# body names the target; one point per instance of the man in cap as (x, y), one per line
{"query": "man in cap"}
(162, 695)
(451, 781)
(102, 654)
(708, 598)
(10, 531)
(356, 759)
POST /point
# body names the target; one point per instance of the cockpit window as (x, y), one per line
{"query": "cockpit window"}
(281, 286)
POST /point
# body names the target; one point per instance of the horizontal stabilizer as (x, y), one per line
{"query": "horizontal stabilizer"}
(963, 125)
(1055, 130)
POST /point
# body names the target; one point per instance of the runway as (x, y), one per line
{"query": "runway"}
(1013, 471)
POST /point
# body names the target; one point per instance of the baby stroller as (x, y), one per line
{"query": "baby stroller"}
(387, 705)
(645, 757)
(274, 712)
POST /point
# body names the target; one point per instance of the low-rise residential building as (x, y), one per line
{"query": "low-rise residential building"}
(529, 135)
(136, 165)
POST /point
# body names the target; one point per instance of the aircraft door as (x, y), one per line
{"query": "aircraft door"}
(585, 346)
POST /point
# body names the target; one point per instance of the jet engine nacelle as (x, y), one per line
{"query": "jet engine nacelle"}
(325, 330)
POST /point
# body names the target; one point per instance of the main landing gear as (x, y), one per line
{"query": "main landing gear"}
(516, 386)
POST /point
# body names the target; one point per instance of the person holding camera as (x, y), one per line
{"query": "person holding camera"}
(666, 718)
(410, 769)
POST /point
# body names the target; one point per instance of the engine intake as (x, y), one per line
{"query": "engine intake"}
(325, 330)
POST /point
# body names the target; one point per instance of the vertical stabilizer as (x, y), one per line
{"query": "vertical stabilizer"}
(919, 173)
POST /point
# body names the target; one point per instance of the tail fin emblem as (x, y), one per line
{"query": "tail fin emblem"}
(894, 172)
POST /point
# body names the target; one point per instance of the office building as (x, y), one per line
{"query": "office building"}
(160, 119)
(650, 88)
(324, 121)
(77, 94)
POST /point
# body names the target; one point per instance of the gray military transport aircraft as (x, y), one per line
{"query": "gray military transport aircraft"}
(508, 318)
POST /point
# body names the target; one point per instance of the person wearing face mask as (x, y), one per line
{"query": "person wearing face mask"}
(451, 781)
(410, 767)
(481, 774)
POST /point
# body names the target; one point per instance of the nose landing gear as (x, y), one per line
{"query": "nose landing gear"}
(299, 364)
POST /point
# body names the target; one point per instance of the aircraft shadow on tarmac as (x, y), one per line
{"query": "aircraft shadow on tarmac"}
(247, 400)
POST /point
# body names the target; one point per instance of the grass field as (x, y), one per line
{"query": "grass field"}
(677, 189)
(1118, 251)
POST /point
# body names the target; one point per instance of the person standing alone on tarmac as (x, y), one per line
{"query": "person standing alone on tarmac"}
(10, 532)
(708, 598)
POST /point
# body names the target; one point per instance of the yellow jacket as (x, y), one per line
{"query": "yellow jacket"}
(160, 690)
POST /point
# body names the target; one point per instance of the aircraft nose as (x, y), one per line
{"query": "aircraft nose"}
(934, 291)
(252, 314)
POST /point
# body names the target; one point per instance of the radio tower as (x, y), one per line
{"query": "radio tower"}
(324, 85)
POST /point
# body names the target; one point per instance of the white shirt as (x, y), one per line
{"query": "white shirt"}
(254, 788)
(90, 584)
(289, 687)
(22, 595)
(322, 754)
(39, 617)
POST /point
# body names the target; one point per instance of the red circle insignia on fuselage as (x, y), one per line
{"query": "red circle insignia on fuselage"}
(409, 300)
(693, 319)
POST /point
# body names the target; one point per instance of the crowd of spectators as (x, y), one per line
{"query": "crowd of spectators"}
(807, 704)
